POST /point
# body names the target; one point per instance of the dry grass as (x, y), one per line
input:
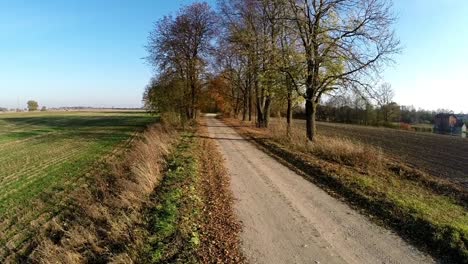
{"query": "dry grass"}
(335, 149)
(101, 223)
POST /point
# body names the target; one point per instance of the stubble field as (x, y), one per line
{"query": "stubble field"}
(45, 155)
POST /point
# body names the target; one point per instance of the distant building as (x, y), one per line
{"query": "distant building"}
(463, 117)
(449, 124)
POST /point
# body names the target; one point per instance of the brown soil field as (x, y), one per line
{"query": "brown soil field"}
(439, 155)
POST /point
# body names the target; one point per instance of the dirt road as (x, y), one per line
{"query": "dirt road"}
(287, 219)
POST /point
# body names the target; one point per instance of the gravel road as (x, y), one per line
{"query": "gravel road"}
(287, 219)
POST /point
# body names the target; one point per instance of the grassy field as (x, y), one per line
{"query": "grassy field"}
(44, 155)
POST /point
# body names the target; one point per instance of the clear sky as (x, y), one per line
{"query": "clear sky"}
(432, 70)
(64, 53)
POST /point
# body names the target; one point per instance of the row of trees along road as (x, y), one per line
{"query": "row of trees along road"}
(251, 54)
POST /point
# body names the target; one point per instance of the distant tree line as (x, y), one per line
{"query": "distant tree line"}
(410, 115)
(364, 113)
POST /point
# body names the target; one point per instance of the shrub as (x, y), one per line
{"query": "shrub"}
(335, 149)
(405, 126)
(171, 118)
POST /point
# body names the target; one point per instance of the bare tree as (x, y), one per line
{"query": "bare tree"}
(344, 43)
(384, 96)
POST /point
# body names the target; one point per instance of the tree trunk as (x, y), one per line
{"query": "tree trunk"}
(311, 109)
(250, 104)
(187, 113)
(385, 111)
(236, 107)
(193, 100)
(244, 107)
(289, 115)
(266, 112)
(259, 114)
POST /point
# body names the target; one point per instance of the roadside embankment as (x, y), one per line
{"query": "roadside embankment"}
(101, 221)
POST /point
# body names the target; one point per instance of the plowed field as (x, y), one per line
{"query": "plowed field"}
(440, 155)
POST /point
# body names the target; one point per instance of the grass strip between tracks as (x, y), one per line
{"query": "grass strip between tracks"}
(192, 219)
(174, 219)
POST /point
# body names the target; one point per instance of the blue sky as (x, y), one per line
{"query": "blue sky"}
(432, 70)
(64, 53)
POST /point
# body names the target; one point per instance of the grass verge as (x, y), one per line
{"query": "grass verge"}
(101, 220)
(173, 221)
(191, 219)
(432, 215)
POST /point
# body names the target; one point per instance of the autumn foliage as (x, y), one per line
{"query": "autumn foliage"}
(216, 98)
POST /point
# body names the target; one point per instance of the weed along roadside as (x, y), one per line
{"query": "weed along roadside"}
(174, 220)
(191, 218)
(436, 220)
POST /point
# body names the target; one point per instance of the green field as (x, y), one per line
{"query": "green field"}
(44, 155)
